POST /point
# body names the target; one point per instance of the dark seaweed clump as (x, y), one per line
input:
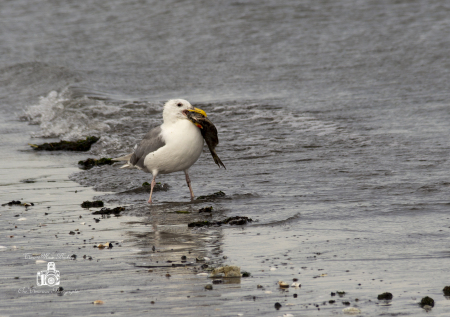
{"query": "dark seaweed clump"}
(206, 209)
(385, 296)
(446, 291)
(236, 220)
(157, 187)
(90, 163)
(427, 301)
(79, 145)
(92, 204)
(212, 196)
(14, 202)
(108, 211)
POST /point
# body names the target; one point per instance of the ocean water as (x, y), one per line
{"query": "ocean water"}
(333, 122)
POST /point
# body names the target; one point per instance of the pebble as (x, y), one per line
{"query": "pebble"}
(98, 302)
(209, 287)
(40, 261)
(296, 285)
(283, 284)
(22, 219)
(351, 311)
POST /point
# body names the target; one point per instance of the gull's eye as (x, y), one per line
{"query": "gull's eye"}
(179, 104)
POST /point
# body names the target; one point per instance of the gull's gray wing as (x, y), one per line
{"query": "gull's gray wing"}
(152, 141)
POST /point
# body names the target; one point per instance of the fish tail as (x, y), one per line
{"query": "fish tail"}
(217, 160)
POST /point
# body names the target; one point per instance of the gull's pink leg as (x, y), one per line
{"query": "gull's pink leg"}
(188, 181)
(151, 189)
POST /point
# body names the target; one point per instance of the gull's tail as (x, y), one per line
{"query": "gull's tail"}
(125, 158)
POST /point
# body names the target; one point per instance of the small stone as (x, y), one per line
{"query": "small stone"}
(446, 291)
(427, 301)
(277, 306)
(385, 296)
(283, 284)
(209, 287)
(98, 302)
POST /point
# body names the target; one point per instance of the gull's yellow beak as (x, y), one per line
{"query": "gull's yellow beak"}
(198, 111)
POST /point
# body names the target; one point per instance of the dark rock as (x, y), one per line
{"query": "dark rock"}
(446, 291)
(199, 224)
(79, 145)
(14, 202)
(90, 163)
(209, 287)
(246, 274)
(109, 211)
(277, 306)
(385, 296)
(212, 196)
(92, 204)
(427, 301)
(236, 220)
(346, 303)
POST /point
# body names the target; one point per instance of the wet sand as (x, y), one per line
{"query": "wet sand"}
(325, 255)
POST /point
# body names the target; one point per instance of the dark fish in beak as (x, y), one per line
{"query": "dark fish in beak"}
(208, 130)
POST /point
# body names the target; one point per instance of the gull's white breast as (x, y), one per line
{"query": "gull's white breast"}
(184, 145)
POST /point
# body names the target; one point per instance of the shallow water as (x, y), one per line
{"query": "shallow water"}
(333, 122)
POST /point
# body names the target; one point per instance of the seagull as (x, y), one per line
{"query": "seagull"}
(171, 147)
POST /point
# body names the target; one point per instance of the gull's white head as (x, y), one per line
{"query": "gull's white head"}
(173, 110)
